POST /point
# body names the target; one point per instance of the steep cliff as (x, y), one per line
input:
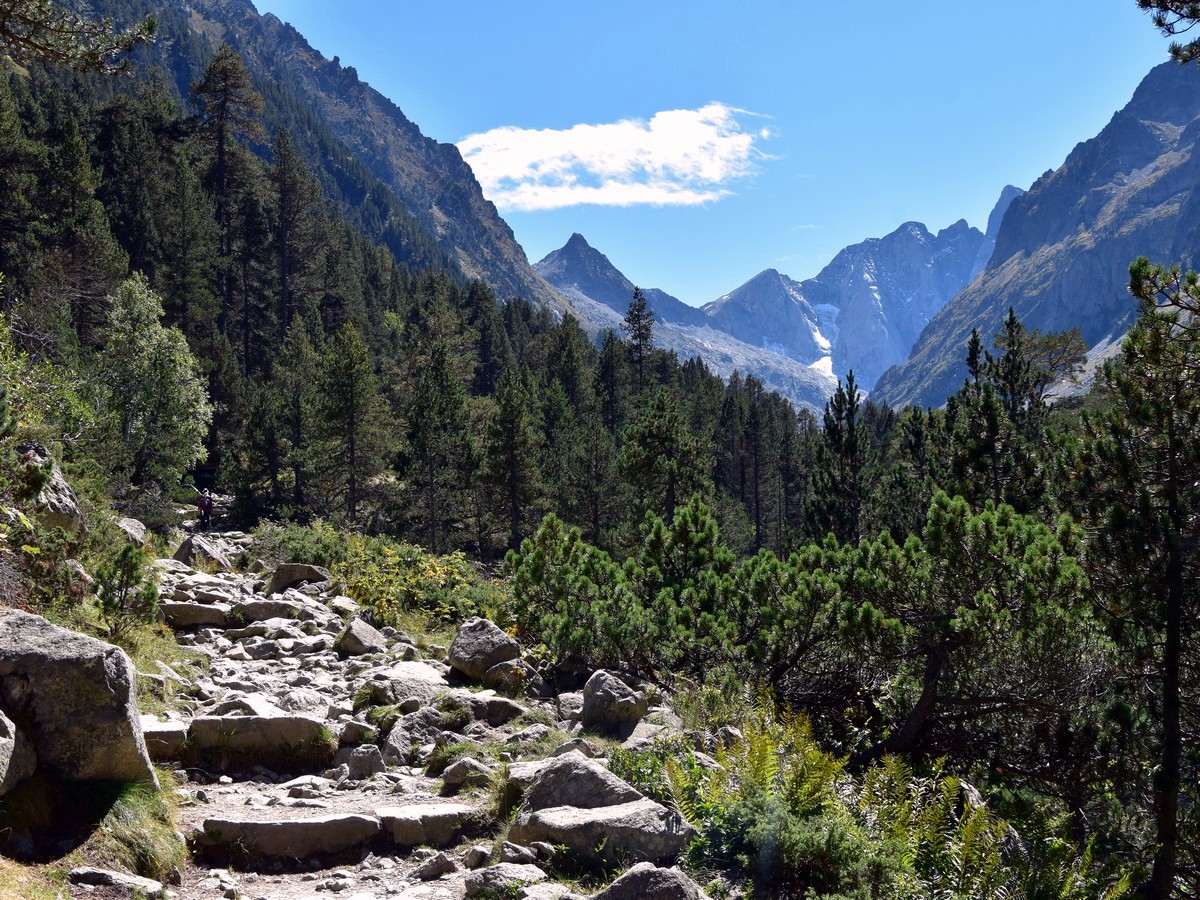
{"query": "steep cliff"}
(1063, 251)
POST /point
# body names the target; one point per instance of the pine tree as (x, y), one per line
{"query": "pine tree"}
(352, 422)
(439, 442)
(510, 456)
(612, 383)
(190, 244)
(663, 461)
(301, 237)
(229, 109)
(638, 325)
(295, 401)
(1138, 475)
(42, 31)
(840, 489)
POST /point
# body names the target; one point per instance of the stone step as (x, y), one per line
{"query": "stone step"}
(293, 839)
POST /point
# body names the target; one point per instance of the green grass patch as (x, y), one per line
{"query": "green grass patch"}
(138, 833)
(23, 882)
(129, 827)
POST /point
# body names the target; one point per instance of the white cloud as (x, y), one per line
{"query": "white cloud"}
(680, 157)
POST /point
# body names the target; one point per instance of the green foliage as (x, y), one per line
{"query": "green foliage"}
(1174, 17)
(152, 389)
(318, 543)
(126, 592)
(139, 835)
(352, 413)
(646, 769)
(42, 31)
(392, 579)
(788, 815)
(661, 458)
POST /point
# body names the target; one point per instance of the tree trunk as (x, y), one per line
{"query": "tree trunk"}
(905, 738)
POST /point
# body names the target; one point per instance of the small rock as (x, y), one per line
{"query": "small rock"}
(467, 772)
(515, 853)
(436, 867)
(152, 890)
(476, 856)
(359, 638)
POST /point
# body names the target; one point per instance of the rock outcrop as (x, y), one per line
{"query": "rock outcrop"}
(56, 505)
(479, 645)
(73, 696)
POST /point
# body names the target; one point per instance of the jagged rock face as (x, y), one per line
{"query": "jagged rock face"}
(770, 310)
(579, 267)
(885, 290)
(1063, 251)
(864, 310)
(984, 256)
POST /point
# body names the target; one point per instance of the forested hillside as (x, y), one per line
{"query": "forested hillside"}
(1001, 589)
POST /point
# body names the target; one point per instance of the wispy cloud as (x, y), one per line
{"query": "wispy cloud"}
(679, 157)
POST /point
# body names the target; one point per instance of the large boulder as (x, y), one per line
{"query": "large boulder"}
(434, 824)
(608, 702)
(207, 552)
(133, 529)
(409, 734)
(479, 645)
(639, 831)
(574, 780)
(291, 574)
(646, 881)
(290, 741)
(502, 880)
(17, 759)
(576, 802)
(403, 680)
(73, 696)
(359, 638)
(290, 839)
(56, 505)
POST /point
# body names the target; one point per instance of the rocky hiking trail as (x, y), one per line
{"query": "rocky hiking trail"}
(320, 756)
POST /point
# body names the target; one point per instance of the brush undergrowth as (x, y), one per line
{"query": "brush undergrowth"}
(782, 814)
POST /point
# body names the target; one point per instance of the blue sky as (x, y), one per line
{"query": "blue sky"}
(698, 143)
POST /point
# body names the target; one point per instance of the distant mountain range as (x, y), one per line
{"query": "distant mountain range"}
(861, 313)
(895, 310)
(599, 295)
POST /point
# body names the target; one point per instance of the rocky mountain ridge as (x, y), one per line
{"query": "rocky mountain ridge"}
(861, 313)
(1063, 249)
